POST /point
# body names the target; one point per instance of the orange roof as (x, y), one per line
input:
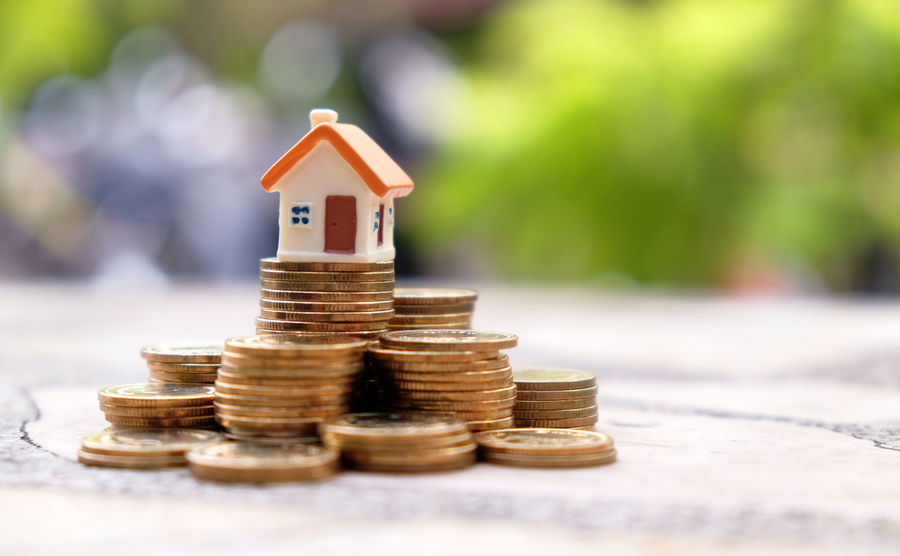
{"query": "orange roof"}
(373, 165)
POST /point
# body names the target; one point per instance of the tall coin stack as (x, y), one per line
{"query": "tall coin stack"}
(400, 442)
(434, 308)
(280, 386)
(159, 405)
(194, 363)
(457, 372)
(555, 398)
(325, 298)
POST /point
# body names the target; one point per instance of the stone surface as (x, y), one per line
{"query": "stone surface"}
(743, 426)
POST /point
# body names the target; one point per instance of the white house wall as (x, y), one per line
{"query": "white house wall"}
(321, 173)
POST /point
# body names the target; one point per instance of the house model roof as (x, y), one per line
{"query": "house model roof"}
(378, 170)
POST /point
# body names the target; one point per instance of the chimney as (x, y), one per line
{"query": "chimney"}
(322, 115)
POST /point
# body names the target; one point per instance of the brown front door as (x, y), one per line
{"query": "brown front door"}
(340, 224)
(380, 225)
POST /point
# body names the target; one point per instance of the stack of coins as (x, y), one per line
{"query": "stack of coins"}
(460, 372)
(250, 462)
(555, 398)
(434, 308)
(159, 405)
(135, 448)
(546, 448)
(196, 363)
(332, 298)
(400, 442)
(281, 386)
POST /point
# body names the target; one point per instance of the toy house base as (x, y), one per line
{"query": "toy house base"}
(319, 257)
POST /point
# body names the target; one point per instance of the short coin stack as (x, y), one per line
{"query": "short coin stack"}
(546, 448)
(458, 372)
(555, 398)
(252, 462)
(418, 308)
(330, 298)
(159, 405)
(400, 442)
(195, 363)
(135, 448)
(280, 386)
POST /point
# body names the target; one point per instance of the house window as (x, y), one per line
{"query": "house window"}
(301, 215)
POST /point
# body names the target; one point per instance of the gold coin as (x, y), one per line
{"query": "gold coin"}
(306, 426)
(192, 378)
(434, 296)
(317, 347)
(325, 297)
(545, 442)
(481, 416)
(280, 412)
(150, 394)
(290, 393)
(451, 386)
(162, 422)
(431, 319)
(404, 309)
(547, 462)
(262, 463)
(355, 287)
(140, 442)
(313, 307)
(540, 405)
(157, 412)
(234, 360)
(188, 378)
(288, 382)
(130, 462)
(557, 423)
(379, 353)
(296, 403)
(400, 327)
(435, 459)
(462, 376)
(352, 369)
(499, 362)
(397, 428)
(553, 379)
(287, 436)
(312, 276)
(272, 439)
(490, 425)
(292, 266)
(360, 335)
(448, 340)
(469, 405)
(185, 368)
(294, 316)
(454, 397)
(349, 327)
(556, 395)
(557, 413)
(183, 353)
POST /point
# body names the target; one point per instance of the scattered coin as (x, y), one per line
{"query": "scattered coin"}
(255, 462)
(183, 352)
(150, 394)
(553, 379)
(448, 340)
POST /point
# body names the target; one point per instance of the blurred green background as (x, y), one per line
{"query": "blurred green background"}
(741, 146)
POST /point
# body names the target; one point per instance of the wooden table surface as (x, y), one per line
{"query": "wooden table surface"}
(744, 426)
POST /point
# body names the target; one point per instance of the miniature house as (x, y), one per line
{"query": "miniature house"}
(337, 189)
